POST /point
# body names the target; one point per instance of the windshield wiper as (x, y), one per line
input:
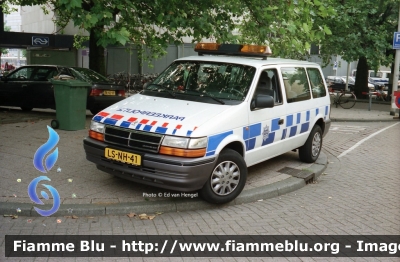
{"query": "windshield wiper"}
(163, 88)
(208, 95)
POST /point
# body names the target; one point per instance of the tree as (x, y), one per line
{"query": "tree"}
(4, 50)
(362, 31)
(154, 24)
(288, 26)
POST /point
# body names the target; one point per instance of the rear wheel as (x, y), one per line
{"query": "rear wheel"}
(227, 179)
(310, 151)
(347, 101)
(25, 108)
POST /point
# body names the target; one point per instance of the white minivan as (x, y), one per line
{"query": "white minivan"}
(206, 118)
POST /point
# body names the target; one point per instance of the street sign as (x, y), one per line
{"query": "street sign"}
(335, 66)
(40, 41)
(396, 40)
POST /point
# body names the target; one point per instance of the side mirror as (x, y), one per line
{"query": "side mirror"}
(262, 101)
(146, 85)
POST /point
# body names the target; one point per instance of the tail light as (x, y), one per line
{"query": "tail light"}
(121, 92)
(96, 92)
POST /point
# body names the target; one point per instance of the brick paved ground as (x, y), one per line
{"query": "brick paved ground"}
(359, 194)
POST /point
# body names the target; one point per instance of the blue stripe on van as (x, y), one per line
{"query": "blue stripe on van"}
(97, 118)
(275, 124)
(125, 124)
(161, 130)
(213, 141)
(147, 127)
(251, 131)
(270, 139)
(293, 131)
(250, 143)
(304, 127)
(289, 120)
(298, 118)
(211, 153)
(308, 116)
(284, 134)
(110, 121)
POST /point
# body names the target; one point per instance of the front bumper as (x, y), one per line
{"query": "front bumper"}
(173, 173)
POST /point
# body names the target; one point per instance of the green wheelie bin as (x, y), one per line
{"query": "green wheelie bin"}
(70, 97)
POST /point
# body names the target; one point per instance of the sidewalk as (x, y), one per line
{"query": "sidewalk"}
(85, 191)
(380, 112)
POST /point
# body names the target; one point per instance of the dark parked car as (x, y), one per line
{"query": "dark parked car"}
(339, 83)
(29, 87)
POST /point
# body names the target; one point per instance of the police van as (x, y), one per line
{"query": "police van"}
(206, 118)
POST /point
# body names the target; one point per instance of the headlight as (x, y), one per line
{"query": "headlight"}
(175, 141)
(198, 142)
(97, 127)
(183, 146)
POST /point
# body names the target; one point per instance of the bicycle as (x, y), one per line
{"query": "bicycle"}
(346, 99)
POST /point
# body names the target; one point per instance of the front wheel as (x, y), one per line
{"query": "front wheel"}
(347, 101)
(227, 179)
(309, 152)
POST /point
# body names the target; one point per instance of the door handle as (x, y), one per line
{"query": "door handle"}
(23, 86)
(280, 122)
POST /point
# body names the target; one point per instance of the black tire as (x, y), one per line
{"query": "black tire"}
(26, 109)
(54, 124)
(235, 177)
(347, 101)
(310, 151)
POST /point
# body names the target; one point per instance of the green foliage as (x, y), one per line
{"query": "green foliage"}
(289, 27)
(362, 29)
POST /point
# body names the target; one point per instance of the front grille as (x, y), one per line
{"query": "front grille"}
(133, 138)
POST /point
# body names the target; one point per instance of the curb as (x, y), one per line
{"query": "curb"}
(247, 196)
(363, 120)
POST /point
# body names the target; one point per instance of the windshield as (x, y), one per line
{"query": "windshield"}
(220, 81)
(88, 75)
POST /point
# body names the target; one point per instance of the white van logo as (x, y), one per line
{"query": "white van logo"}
(265, 132)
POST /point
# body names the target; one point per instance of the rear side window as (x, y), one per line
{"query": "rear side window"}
(44, 73)
(24, 73)
(317, 84)
(296, 84)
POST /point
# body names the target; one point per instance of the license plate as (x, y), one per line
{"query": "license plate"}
(122, 156)
(109, 93)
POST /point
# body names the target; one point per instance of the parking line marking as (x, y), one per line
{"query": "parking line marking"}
(363, 140)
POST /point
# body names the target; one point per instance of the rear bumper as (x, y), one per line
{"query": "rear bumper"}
(101, 102)
(173, 173)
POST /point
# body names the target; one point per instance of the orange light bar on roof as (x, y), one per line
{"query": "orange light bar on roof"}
(256, 49)
(206, 46)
